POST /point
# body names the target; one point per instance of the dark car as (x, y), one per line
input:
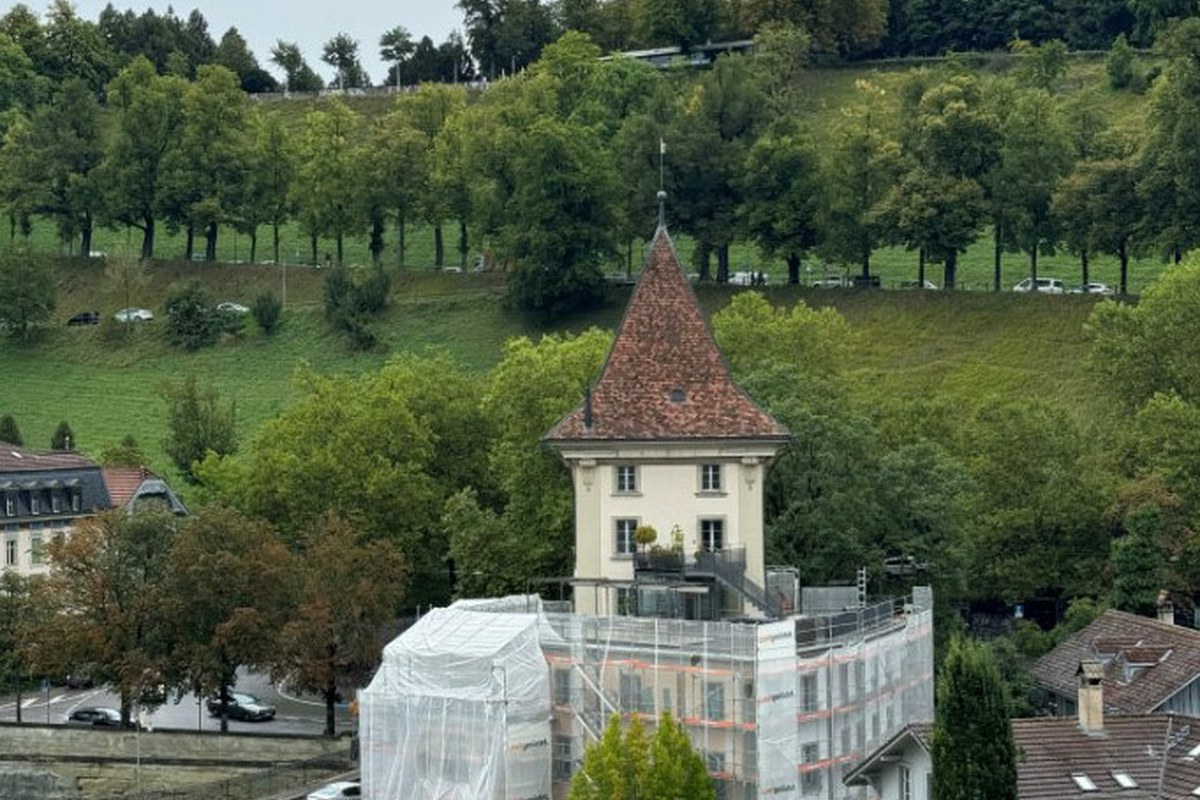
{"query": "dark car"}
(96, 716)
(243, 706)
(85, 318)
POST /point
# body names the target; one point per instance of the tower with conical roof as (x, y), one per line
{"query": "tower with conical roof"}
(665, 438)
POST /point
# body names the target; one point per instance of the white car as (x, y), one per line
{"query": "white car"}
(229, 307)
(133, 315)
(337, 789)
(831, 282)
(926, 284)
(1044, 286)
(1094, 288)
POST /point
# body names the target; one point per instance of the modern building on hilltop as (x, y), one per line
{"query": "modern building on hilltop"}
(45, 494)
(783, 691)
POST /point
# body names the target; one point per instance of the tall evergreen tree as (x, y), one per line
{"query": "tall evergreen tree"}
(974, 756)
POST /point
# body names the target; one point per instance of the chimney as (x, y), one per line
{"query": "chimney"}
(1166, 609)
(1091, 696)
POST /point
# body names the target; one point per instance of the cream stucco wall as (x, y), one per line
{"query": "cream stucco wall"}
(668, 494)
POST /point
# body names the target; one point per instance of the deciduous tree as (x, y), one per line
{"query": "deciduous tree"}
(27, 292)
(350, 587)
(197, 424)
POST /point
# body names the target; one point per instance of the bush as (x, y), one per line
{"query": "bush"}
(192, 322)
(63, 437)
(371, 295)
(1119, 64)
(267, 310)
(9, 432)
(338, 289)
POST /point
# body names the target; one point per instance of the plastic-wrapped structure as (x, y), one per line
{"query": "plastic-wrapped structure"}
(459, 710)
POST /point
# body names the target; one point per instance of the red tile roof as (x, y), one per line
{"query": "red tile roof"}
(1166, 657)
(1051, 751)
(20, 459)
(665, 377)
(122, 482)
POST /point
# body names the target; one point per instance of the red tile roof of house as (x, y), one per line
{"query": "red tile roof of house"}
(1145, 661)
(665, 377)
(20, 459)
(1050, 752)
(122, 482)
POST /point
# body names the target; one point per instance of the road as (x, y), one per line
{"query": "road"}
(294, 715)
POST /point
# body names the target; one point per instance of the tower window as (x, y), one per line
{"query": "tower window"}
(625, 544)
(712, 535)
(626, 478)
(710, 478)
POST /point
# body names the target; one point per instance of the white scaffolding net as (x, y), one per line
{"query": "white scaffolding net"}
(498, 699)
(459, 710)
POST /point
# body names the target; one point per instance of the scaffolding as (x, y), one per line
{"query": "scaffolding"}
(781, 709)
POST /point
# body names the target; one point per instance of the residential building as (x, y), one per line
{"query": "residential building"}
(44, 495)
(1137, 756)
(1149, 665)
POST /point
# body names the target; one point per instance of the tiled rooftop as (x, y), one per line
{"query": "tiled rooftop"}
(21, 459)
(665, 377)
(1166, 657)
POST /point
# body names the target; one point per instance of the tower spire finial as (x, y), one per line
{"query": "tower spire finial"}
(662, 194)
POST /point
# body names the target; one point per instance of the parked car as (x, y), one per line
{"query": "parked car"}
(85, 318)
(1094, 288)
(133, 315)
(831, 282)
(925, 284)
(97, 716)
(338, 789)
(243, 706)
(1044, 286)
(230, 307)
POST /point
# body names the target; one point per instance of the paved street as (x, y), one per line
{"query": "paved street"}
(293, 715)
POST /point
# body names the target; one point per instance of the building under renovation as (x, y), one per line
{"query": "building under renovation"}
(783, 691)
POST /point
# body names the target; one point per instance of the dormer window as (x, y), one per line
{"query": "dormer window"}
(710, 478)
(55, 503)
(76, 501)
(35, 505)
(10, 504)
(626, 479)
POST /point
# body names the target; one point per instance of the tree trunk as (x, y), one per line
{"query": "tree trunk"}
(330, 702)
(793, 262)
(19, 702)
(462, 244)
(148, 239)
(1123, 254)
(210, 242)
(85, 236)
(275, 241)
(629, 258)
(312, 238)
(401, 229)
(997, 255)
(224, 704)
(1033, 254)
(1083, 265)
(865, 267)
(341, 249)
(189, 243)
(723, 263)
(704, 254)
(376, 245)
(950, 274)
(921, 267)
(254, 245)
(439, 246)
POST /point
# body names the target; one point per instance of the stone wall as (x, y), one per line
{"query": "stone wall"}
(51, 762)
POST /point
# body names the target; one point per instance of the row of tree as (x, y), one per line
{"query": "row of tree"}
(152, 605)
(555, 170)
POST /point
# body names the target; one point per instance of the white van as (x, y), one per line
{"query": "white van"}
(1044, 286)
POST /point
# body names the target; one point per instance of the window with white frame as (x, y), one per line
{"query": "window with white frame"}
(34, 505)
(808, 692)
(624, 543)
(906, 792)
(714, 761)
(626, 478)
(710, 478)
(712, 535)
(10, 551)
(76, 501)
(10, 504)
(35, 548)
(55, 503)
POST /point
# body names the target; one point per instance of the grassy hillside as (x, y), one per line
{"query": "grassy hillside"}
(105, 379)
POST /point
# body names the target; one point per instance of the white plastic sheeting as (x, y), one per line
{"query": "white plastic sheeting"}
(459, 710)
